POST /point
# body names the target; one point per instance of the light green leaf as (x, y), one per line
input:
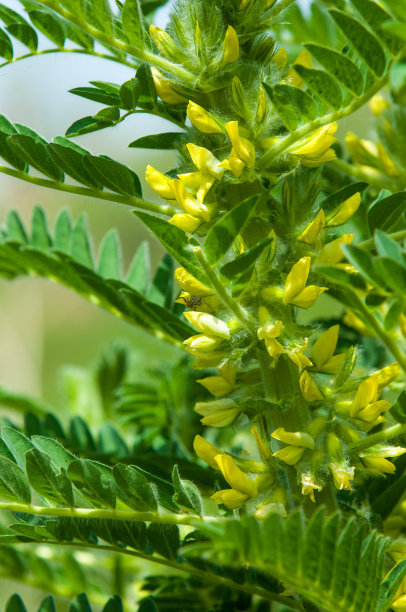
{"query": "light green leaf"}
(132, 19)
(221, 236)
(161, 289)
(80, 248)
(175, 241)
(99, 12)
(339, 66)
(91, 482)
(17, 443)
(49, 25)
(13, 482)
(363, 261)
(392, 274)
(384, 213)
(299, 99)
(375, 16)
(110, 114)
(109, 265)
(365, 43)
(46, 481)
(187, 494)
(6, 47)
(338, 276)
(25, 34)
(387, 247)
(134, 489)
(97, 94)
(390, 586)
(39, 230)
(139, 272)
(322, 85)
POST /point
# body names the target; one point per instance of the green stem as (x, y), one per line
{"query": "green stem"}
(112, 58)
(314, 125)
(142, 54)
(381, 182)
(119, 515)
(189, 569)
(370, 244)
(228, 301)
(89, 192)
(387, 340)
(378, 438)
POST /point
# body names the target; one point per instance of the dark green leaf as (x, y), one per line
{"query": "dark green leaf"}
(339, 276)
(80, 604)
(398, 410)
(375, 16)
(321, 84)
(46, 481)
(36, 155)
(129, 92)
(221, 236)
(246, 261)
(110, 114)
(139, 272)
(387, 247)
(13, 482)
(49, 25)
(132, 19)
(299, 99)
(167, 140)
(15, 604)
(86, 125)
(164, 539)
(365, 43)
(187, 494)
(392, 274)
(363, 261)
(286, 112)
(390, 586)
(63, 229)
(338, 197)
(147, 98)
(39, 230)
(97, 95)
(384, 213)
(175, 241)
(113, 175)
(6, 47)
(339, 66)
(60, 457)
(393, 313)
(99, 12)
(134, 489)
(25, 34)
(71, 162)
(47, 605)
(89, 479)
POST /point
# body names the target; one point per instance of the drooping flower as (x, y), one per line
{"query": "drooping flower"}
(295, 291)
(344, 211)
(309, 389)
(298, 442)
(269, 333)
(202, 119)
(206, 451)
(190, 284)
(342, 475)
(242, 152)
(242, 487)
(323, 349)
(218, 413)
(216, 385)
(310, 485)
(231, 47)
(314, 150)
(311, 232)
(332, 252)
(208, 324)
(209, 169)
(365, 405)
(164, 89)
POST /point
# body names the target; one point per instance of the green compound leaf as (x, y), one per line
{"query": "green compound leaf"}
(109, 265)
(134, 488)
(90, 480)
(25, 34)
(299, 99)
(187, 494)
(129, 93)
(221, 236)
(375, 16)
(286, 112)
(365, 43)
(132, 20)
(36, 155)
(384, 213)
(390, 585)
(322, 85)
(165, 141)
(97, 95)
(339, 66)
(175, 241)
(113, 175)
(71, 162)
(13, 482)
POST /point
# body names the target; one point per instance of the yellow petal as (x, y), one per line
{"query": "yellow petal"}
(309, 389)
(345, 211)
(216, 385)
(208, 324)
(379, 465)
(296, 279)
(203, 343)
(367, 393)
(235, 477)
(332, 253)
(187, 223)
(290, 454)
(231, 47)
(202, 119)
(342, 475)
(159, 183)
(190, 284)
(164, 90)
(311, 232)
(243, 147)
(188, 203)
(206, 451)
(307, 298)
(293, 438)
(324, 347)
(230, 498)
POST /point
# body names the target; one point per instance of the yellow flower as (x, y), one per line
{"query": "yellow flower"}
(365, 405)
(267, 508)
(402, 324)
(164, 90)
(159, 183)
(217, 385)
(297, 443)
(379, 465)
(342, 475)
(208, 324)
(332, 252)
(296, 355)
(228, 371)
(231, 47)
(322, 352)
(163, 41)
(344, 211)
(309, 389)
(264, 452)
(311, 232)
(190, 284)
(242, 152)
(387, 375)
(363, 152)
(399, 605)
(185, 222)
(209, 170)
(313, 150)
(187, 202)
(279, 58)
(218, 413)
(295, 291)
(309, 486)
(378, 104)
(355, 322)
(206, 451)
(243, 488)
(203, 343)
(202, 119)
(386, 161)
(268, 333)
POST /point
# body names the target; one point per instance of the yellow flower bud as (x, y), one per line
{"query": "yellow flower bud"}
(242, 146)
(216, 385)
(323, 349)
(297, 438)
(198, 35)
(202, 119)
(371, 412)
(363, 152)
(399, 604)
(264, 452)
(208, 324)
(345, 211)
(231, 47)
(386, 161)
(311, 232)
(185, 222)
(261, 105)
(159, 183)
(271, 330)
(163, 42)
(203, 343)
(313, 150)
(164, 90)
(290, 454)
(342, 475)
(190, 284)
(187, 202)
(230, 498)
(295, 291)
(378, 104)
(206, 451)
(204, 160)
(379, 465)
(355, 322)
(309, 389)
(228, 371)
(332, 253)
(387, 375)
(309, 486)
(367, 393)
(316, 426)
(299, 358)
(266, 509)
(218, 413)
(235, 477)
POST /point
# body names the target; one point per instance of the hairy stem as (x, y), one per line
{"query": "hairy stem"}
(89, 192)
(378, 438)
(111, 58)
(314, 125)
(379, 182)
